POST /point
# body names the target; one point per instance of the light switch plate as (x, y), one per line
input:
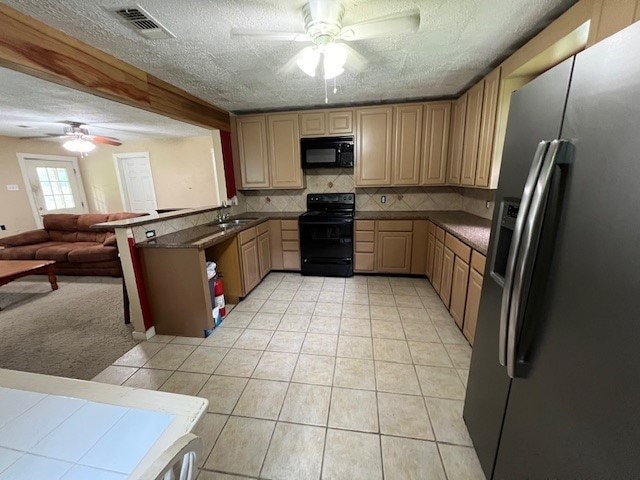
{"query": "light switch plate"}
(383, 199)
(13, 188)
(150, 233)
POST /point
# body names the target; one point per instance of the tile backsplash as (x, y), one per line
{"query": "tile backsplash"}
(370, 199)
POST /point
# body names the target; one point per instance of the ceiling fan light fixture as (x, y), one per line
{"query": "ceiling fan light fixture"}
(308, 61)
(334, 58)
(79, 145)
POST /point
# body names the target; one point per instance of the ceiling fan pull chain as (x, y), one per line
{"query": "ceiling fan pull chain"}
(335, 88)
(326, 96)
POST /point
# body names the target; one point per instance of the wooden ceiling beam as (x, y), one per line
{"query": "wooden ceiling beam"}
(32, 47)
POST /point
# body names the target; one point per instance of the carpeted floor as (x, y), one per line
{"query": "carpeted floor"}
(76, 331)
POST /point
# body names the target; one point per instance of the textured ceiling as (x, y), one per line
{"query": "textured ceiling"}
(44, 106)
(458, 40)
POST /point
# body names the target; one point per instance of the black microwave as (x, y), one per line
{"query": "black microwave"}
(327, 152)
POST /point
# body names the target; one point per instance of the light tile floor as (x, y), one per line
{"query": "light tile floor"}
(330, 378)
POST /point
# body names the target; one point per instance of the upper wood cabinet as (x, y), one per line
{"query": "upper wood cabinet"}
(253, 150)
(473, 119)
(284, 151)
(487, 128)
(374, 136)
(435, 143)
(321, 123)
(456, 142)
(611, 16)
(407, 135)
(313, 124)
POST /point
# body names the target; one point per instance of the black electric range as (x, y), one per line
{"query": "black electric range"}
(326, 234)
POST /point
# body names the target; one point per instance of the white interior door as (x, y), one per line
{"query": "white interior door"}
(54, 184)
(136, 182)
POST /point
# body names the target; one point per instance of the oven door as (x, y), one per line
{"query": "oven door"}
(326, 245)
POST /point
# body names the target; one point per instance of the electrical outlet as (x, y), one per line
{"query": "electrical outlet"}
(487, 204)
(13, 188)
(150, 233)
(2, 227)
(383, 199)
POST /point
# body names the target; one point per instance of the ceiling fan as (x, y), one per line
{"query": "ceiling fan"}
(78, 138)
(323, 27)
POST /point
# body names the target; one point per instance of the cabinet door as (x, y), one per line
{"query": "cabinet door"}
(253, 150)
(407, 139)
(340, 122)
(459, 290)
(473, 304)
(264, 254)
(284, 151)
(435, 143)
(437, 265)
(431, 252)
(456, 141)
(250, 265)
(373, 146)
(472, 134)
(447, 276)
(394, 252)
(487, 127)
(313, 124)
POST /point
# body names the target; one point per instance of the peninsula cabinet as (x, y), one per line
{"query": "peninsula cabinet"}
(473, 118)
(456, 141)
(407, 138)
(374, 144)
(435, 143)
(269, 150)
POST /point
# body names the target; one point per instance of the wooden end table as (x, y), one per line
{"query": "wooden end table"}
(11, 270)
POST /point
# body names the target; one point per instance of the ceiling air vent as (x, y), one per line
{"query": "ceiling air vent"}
(144, 24)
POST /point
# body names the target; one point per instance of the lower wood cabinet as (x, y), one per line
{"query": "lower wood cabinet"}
(290, 245)
(365, 259)
(264, 254)
(250, 264)
(460, 279)
(394, 252)
(438, 255)
(448, 258)
(473, 304)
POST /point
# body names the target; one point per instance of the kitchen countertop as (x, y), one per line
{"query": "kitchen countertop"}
(471, 229)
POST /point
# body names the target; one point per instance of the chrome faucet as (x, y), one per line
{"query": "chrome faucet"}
(222, 216)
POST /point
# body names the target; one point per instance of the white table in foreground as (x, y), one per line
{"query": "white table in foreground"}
(45, 417)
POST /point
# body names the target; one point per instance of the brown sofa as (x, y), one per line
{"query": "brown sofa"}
(69, 240)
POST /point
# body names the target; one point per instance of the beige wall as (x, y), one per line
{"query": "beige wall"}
(182, 170)
(15, 210)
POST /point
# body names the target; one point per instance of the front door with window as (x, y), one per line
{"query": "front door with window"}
(54, 185)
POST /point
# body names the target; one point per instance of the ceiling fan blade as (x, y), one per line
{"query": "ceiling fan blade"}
(291, 65)
(271, 35)
(382, 27)
(48, 135)
(355, 61)
(106, 140)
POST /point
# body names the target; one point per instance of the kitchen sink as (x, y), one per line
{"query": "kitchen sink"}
(232, 223)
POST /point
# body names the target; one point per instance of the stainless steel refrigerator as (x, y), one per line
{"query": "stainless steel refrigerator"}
(554, 382)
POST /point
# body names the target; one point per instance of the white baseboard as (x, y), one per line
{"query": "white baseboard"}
(144, 335)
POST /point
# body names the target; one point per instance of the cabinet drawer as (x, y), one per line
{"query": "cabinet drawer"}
(290, 235)
(364, 236)
(247, 235)
(364, 247)
(290, 246)
(440, 234)
(395, 226)
(456, 246)
(431, 228)
(478, 261)
(364, 262)
(262, 228)
(289, 224)
(368, 225)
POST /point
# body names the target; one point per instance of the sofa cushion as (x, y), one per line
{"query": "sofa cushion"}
(24, 252)
(26, 238)
(60, 221)
(63, 236)
(94, 253)
(110, 240)
(60, 252)
(87, 219)
(96, 236)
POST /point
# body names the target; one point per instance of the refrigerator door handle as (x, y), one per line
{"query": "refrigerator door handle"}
(523, 211)
(560, 152)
